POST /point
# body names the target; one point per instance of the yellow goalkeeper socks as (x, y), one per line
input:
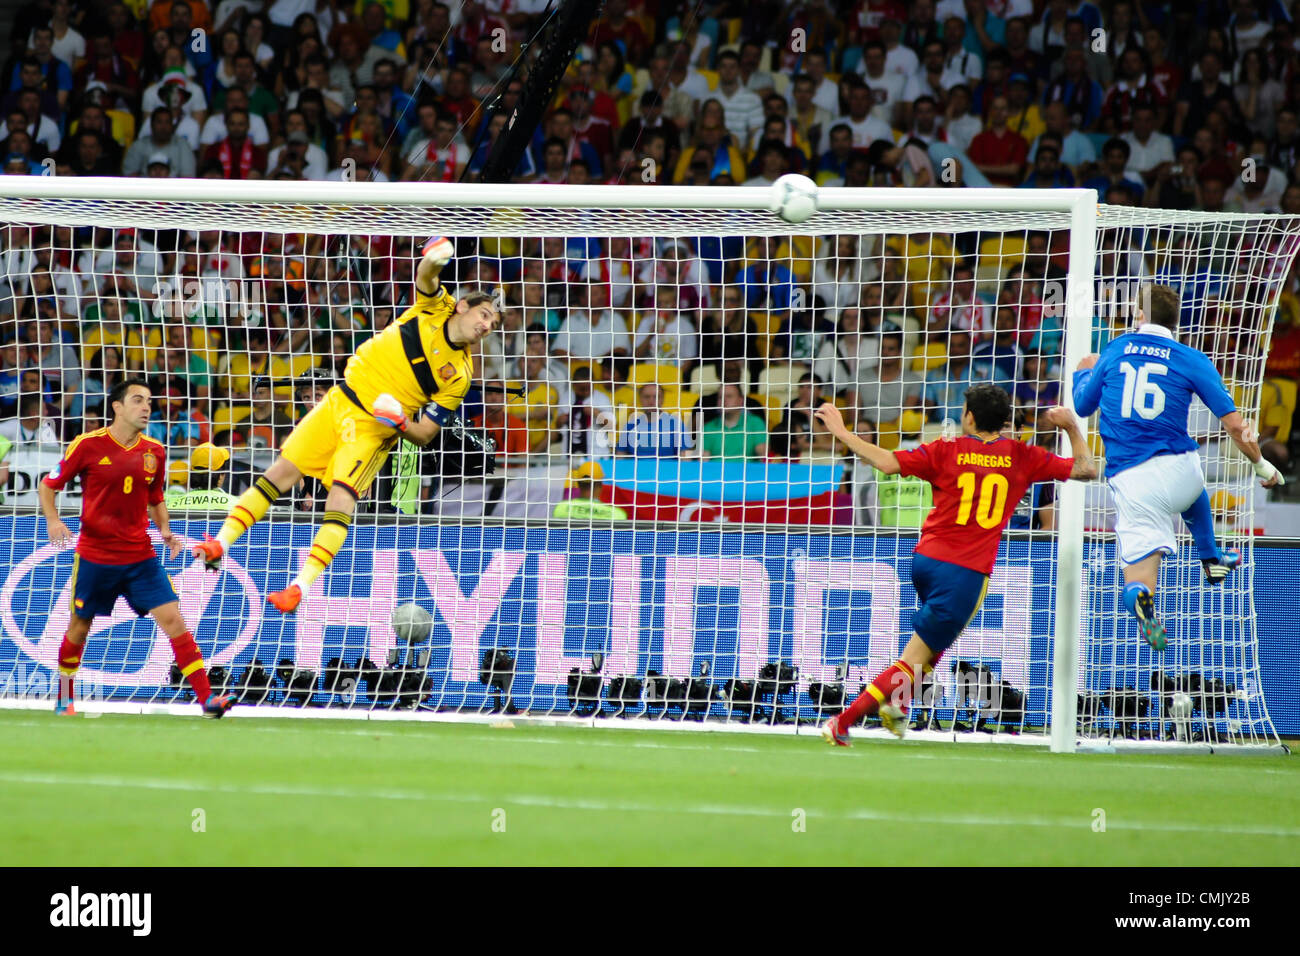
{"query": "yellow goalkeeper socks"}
(247, 511)
(333, 532)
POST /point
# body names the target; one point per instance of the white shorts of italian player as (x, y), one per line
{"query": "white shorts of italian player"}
(1148, 500)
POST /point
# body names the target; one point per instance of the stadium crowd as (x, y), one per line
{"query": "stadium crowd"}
(715, 348)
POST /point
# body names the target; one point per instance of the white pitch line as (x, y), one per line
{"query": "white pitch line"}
(604, 806)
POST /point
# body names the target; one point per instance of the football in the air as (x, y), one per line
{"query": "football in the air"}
(793, 197)
(412, 622)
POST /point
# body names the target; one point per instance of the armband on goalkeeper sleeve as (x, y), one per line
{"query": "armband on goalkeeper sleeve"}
(1265, 470)
(389, 411)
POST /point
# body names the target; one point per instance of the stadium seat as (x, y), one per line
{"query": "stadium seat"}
(712, 77)
(227, 417)
(781, 380)
(625, 395)
(775, 408)
(1002, 252)
(930, 357)
(852, 57)
(704, 380)
(661, 372)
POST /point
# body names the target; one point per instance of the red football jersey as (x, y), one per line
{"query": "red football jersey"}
(977, 486)
(117, 486)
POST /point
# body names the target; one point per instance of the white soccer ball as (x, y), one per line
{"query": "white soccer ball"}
(1181, 707)
(793, 197)
(412, 622)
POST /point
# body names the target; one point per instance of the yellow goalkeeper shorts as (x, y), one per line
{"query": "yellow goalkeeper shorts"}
(337, 442)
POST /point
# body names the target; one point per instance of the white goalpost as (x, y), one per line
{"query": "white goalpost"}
(668, 536)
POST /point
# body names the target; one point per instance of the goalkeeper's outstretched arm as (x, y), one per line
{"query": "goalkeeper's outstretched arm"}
(437, 253)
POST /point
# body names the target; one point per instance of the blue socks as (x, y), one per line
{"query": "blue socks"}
(1132, 593)
(1200, 522)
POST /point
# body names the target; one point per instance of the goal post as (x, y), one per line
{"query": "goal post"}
(663, 347)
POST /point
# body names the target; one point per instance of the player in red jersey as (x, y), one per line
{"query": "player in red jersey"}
(978, 479)
(123, 476)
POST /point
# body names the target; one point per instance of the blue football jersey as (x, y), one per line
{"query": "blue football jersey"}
(1143, 383)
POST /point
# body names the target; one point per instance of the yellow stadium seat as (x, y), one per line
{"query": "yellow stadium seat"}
(1001, 252)
(930, 357)
(227, 417)
(625, 395)
(1277, 407)
(660, 372)
(712, 77)
(774, 408)
(684, 400)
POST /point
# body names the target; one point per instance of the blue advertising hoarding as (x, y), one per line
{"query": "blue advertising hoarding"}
(648, 599)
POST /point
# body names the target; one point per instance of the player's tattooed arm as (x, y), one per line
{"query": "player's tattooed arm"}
(874, 455)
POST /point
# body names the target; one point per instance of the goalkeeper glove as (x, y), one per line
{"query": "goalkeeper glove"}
(389, 411)
(439, 251)
(1265, 470)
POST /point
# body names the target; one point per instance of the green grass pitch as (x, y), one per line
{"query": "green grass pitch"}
(125, 790)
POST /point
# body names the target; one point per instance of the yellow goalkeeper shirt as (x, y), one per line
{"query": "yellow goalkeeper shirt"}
(412, 359)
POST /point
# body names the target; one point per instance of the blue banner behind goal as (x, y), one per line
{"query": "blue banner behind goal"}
(837, 606)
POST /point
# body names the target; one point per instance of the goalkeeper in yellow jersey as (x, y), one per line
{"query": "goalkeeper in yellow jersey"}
(422, 359)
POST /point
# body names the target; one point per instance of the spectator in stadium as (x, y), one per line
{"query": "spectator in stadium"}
(945, 388)
(503, 426)
(590, 335)
(176, 90)
(791, 439)
(440, 156)
(1048, 173)
(999, 152)
(239, 156)
(55, 74)
(771, 162)
(667, 334)
(1114, 171)
(31, 426)
(1077, 150)
(89, 158)
(892, 386)
(652, 430)
(93, 119)
(162, 139)
(1000, 355)
(1133, 88)
(1258, 189)
(766, 283)
(586, 425)
(1081, 94)
(865, 126)
(1202, 93)
(737, 433)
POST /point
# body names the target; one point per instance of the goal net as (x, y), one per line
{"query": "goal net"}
(668, 532)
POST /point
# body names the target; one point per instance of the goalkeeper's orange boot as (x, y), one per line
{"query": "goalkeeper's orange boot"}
(216, 707)
(286, 601)
(210, 551)
(833, 733)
